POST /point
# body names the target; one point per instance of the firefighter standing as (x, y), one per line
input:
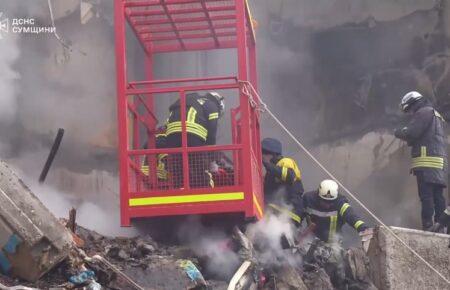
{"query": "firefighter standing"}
(282, 182)
(425, 135)
(202, 115)
(327, 211)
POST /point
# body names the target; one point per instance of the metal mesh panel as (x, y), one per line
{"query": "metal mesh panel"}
(159, 172)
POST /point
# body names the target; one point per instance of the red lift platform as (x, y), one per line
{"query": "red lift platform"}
(177, 26)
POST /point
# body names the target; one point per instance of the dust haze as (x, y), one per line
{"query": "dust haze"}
(333, 71)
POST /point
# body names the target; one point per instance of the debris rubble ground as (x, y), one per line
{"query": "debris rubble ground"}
(152, 265)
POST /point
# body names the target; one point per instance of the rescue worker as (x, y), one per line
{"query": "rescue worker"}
(160, 142)
(202, 115)
(326, 212)
(283, 181)
(329, 211)
(425, 134)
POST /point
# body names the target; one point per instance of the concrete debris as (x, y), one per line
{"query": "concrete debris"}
(393, 266)
(32, 240)
(317, 278)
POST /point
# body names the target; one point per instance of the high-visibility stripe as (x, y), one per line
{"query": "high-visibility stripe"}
(284, 172)
(211, 180)
(292, 215)
(321, 213)
(437, 114)
(176, 127)
(258, 207)
(358, 224)
(144, 169)
(193, 128)
(333, 223)
(179, 199)
(427, 161)
(344, 207)
(160, 135)
(428, 164)
(213, 116)
(192, 113)
(437, 160)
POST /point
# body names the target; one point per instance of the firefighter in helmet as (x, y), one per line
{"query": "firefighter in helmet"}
(329, 211)
(202, 115)
(283, 181)
(425, 134)
(326, 212)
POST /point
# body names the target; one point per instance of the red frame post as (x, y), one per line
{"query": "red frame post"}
(120, 44)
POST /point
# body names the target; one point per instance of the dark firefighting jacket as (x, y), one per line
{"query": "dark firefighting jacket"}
(329, 221)
(283, 179)
(425, 134)
(202, 116)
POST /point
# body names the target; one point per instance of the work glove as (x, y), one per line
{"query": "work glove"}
(400, 132)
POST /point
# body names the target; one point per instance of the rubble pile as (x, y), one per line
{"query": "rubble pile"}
(152, 265)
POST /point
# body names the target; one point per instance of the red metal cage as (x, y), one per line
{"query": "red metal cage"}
(172, 180)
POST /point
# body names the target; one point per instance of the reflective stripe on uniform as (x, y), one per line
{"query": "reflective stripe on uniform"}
(321, 213)
(292, 215)
(188, 198)
(213, 116)
(210, 177)
(344, 207)
(145, 170)
(427, 161)
(193, 128)
(284, 172)
(437, 114)
(192, 113)
(333, 224)
(358, 224)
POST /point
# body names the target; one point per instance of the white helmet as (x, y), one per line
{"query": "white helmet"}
(220, 100)
(409, 99)
(328, 189)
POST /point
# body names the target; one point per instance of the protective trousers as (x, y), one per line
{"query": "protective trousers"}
(433, 202)
(198, 162)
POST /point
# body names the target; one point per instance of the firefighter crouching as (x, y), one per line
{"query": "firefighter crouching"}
(161, 167)
(282, 182)
(202, 115)
(425, 134)
(327, 211)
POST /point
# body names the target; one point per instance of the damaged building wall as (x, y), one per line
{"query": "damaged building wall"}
(395, 267)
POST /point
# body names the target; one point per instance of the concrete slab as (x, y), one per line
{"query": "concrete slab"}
(32, 239)
(392, 266)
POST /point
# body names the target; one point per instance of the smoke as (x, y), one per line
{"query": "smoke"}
(267, 235)
(212, 245)
(9, 53)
